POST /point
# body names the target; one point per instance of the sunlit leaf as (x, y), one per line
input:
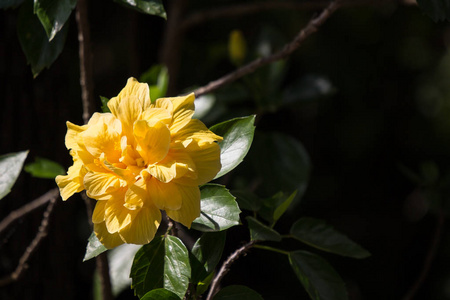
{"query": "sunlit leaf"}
(151, 7)
(261, 232)
(40, 53)
(203, 105)
(10, 167)
(120, 261)
(160, 294)
(219, 210)
(157, 77)
(237, 138)
(93, 248)
(438, 10)
(44, 168)
(53, 14)
(206, 253)
(164, 263)
(237, 292)
(318, 234)
(318, 278)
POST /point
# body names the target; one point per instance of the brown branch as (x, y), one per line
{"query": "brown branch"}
(85, 53)
(309, 29)
(42, 232)
(428, 259)
(19, 213)
(226, 267)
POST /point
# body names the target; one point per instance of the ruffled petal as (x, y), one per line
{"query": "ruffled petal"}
(156, 113)
(72, 182)
(164, 195)
(136, 195)
(183, 110)
(98, 184)
(143, 227)
(117, 216)
(195, 131)
(206, 159)
(153, 140)
(98, 216)
(190, 208)
(72, 135)
(107, 239)
(132, 88)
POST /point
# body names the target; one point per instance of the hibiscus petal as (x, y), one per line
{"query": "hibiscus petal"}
(117, 216)
(72, 135)
(164, 195)
(196, 131)
(143, 227)
(183, 110)
(206, 159)
(98, 216)
(136, 195)
(72, 182)
(107, 239)
(190, 208)
(98, 184)
(132, 88)
(153, 140)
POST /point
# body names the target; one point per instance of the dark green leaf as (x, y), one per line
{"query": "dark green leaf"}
(282, 163)
(318, 234)
(157, 77)
(234, 292)
(318, 278)
(275, 206)
(237, 138)
(105, 107)
(44, 168)
(10, 167)
(203, 285)
(206, 253)
(160, 294)
(151, 7)
(261, 232)
(40, 53)
(247, 200)
(10, 3)
(164, 263)
(93, 248)
(53, 14)
(219, 210)
(281, 209)
(438, 10)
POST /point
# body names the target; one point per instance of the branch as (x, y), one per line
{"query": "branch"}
(84, 51)
(42, 232)
(429, 258)
(309, 29)
(226, 267)
(19, 213)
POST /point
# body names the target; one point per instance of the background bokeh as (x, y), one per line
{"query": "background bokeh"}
(368, 97)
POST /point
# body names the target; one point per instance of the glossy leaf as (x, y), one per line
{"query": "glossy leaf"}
(93, 248)
(10, 167)
(281, 162)
(318, 278)
(237, 138)
(203, 285)
(247, 200)
(53, 14)
(219, 210)
(10, 3)
(281, 209)
(157, 77)
(151, 7)
(160, 294)
(320, 235)
(104, 107)
(40, 53)
(164, 263)
(438, 10)
(120, 261)
(261, 232)
(44, 168)
(237, 292)
(206, 253)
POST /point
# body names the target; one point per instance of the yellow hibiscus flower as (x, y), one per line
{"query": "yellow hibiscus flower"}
(139, 159)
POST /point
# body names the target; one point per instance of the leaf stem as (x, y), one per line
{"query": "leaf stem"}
(268, 248)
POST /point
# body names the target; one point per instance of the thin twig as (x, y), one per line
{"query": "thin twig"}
(309, 29)
(42, 232)
(429, 258)
(85, 53)
(19, 213)
(226, 267)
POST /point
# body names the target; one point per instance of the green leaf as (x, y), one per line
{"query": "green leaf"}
(237, 138)
(105, 107)
(438, 10)
(157, 77)
(261, 232)
(281, 162)
(120, 261)
(206, 254)
(160, 294)
(237, 292)
(203, 285)
(44, 168)
(53, 14)
(151, 7)
(318, 278)
(93, 248)
(10, 3)
(10, 167)
(40, 53)
(318, 234)
(164, 263)
(219, 210)
(203, 105)
(281, 209)
(247, 200)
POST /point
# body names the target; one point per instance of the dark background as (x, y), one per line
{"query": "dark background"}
(389, 111)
